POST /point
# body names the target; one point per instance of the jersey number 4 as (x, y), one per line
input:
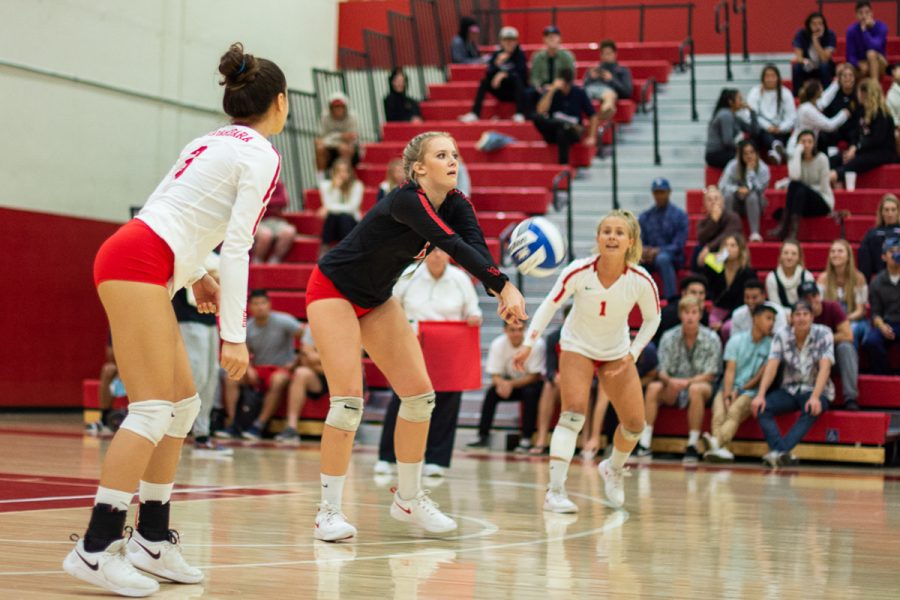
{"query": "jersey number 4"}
(603, 308)
(189, 160)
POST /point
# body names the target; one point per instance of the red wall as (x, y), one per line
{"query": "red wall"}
(771, 23)
(54, 329)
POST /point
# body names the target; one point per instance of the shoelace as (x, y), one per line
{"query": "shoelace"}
(330, 511)
(424, 500)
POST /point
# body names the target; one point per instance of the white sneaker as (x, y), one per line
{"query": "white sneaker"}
(162, 559)
(558, 501)
(97, 429)
(719, 455)
(469, 117)
(109, 569)
(519, 118)
(421, 511)
(332, 524)
(712, 442)
(383, 467)
(612, 483)
(771, 458)
(755, 237)
(432, 470)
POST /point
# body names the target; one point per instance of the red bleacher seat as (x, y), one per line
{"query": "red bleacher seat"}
(815, 229)
(640, 70)
(858, 202)
(304, 250)
(280, 277)
(493, 223)
(375, 379)
(461, 132)
(627, 51)
(519, 152)
(90, 396)
(530, 200)
(441, 110)
(482, 174)
(306, 222)
(293, 303)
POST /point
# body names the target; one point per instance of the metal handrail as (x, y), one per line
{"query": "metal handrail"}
(648, 87)
(565, 176)
(681, 58)
(724, 26)
(613, 128)
(740, 8)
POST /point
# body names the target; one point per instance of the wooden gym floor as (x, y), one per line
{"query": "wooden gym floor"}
(695, 533)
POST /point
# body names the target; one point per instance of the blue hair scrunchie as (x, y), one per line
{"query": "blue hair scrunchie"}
(243, 66)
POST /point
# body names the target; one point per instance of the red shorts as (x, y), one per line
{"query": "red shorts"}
(319, 287)
(265, 373)
(134, 253)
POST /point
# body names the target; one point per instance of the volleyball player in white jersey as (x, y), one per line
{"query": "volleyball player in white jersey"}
(595, 339)
(216, 193)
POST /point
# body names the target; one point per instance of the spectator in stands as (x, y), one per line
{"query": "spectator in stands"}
(664, 230)
(307, 381)
(546, 64)
(813, 48)
(560, 113)
(342, 197)
(744, 182)
(712, 228)
(809, 192)
(884, 296)
(839, 95)
(867, 42)
(727, 279)
(694, 285)
(841, 282)
(775, 111)
(397, 105)
(783, 284)
(690, 357)
(806, 351)
(887, 224)
(338, 134)
(746, 354)
(875, 144)
(270, 339)
(810, 117)
(464, 46)
(507, 384)
(755, 295)
(609, 81)
(275, 235)
(393, 177)
(892, 100)
(201, 341)
(506, 77)
(438, 292)
(726, 128)
(109, 373)
(831, 315)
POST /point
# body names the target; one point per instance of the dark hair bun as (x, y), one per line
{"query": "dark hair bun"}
(237, 68)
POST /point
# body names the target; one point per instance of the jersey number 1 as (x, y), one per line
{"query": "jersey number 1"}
(189, 160)
(603, 308)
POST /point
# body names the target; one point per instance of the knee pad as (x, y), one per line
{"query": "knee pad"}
(417, 409)
(345, 413)
(186, 412)
(571, 420)
(149, 419)
(631, 436)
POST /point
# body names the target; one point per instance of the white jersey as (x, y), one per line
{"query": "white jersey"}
(597, 326)
(218, 190)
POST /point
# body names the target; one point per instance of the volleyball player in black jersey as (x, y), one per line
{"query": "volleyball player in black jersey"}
(349, 304)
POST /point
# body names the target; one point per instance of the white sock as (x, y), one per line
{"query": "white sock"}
(118, 499)
(160, 492)
(647, 436)
(618, 458)
(693, 437)
(332, 489)
(409, 479)
(559, 471)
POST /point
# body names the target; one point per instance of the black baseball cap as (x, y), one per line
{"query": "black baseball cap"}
(761, 308)
(808, 288)
(803, 305)
(549, 29)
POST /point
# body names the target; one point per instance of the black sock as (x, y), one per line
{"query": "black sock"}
(104, 415)
(105, 527)
(153, 520)
(201, 439)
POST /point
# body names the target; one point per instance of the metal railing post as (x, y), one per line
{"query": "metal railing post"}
(641, 14)
(742, 10)
(694, 115)
(657, 159)
(615, 168)
(725, 24)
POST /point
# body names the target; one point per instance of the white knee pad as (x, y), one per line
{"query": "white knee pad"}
(565, 435)
(571, 420)
(631, 436)
(149, 419)
(417, 409)
(185, 413)
(345, 413)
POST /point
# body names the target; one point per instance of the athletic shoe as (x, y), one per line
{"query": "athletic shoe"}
(772, 458)
(252, 433)
(851, 405)
(719, 455)
(775, 157)
(332, 525)
(432, 470)
(210, 449)
(469, 117)
(97, 429)
(558, 501)
(519, 118)
(712, 442)
(691, 455)
(383, 467)
(612, 483)
(289, 437)
(162, 559)
(109, 569)
(523, 447)
(642, 452)
(421, 511)
(479, 443)
(755, 237)
(788, 460)
(229, 433)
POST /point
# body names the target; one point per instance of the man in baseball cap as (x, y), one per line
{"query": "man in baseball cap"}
(547, 63)
(884, 298)
(664, 230)
(506, 78)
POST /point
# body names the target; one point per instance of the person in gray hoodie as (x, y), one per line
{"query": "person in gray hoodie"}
(609, 81)
(726, 128)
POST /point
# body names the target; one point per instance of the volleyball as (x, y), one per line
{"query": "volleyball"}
(537, 247)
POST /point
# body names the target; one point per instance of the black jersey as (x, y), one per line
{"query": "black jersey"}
(400, 229)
